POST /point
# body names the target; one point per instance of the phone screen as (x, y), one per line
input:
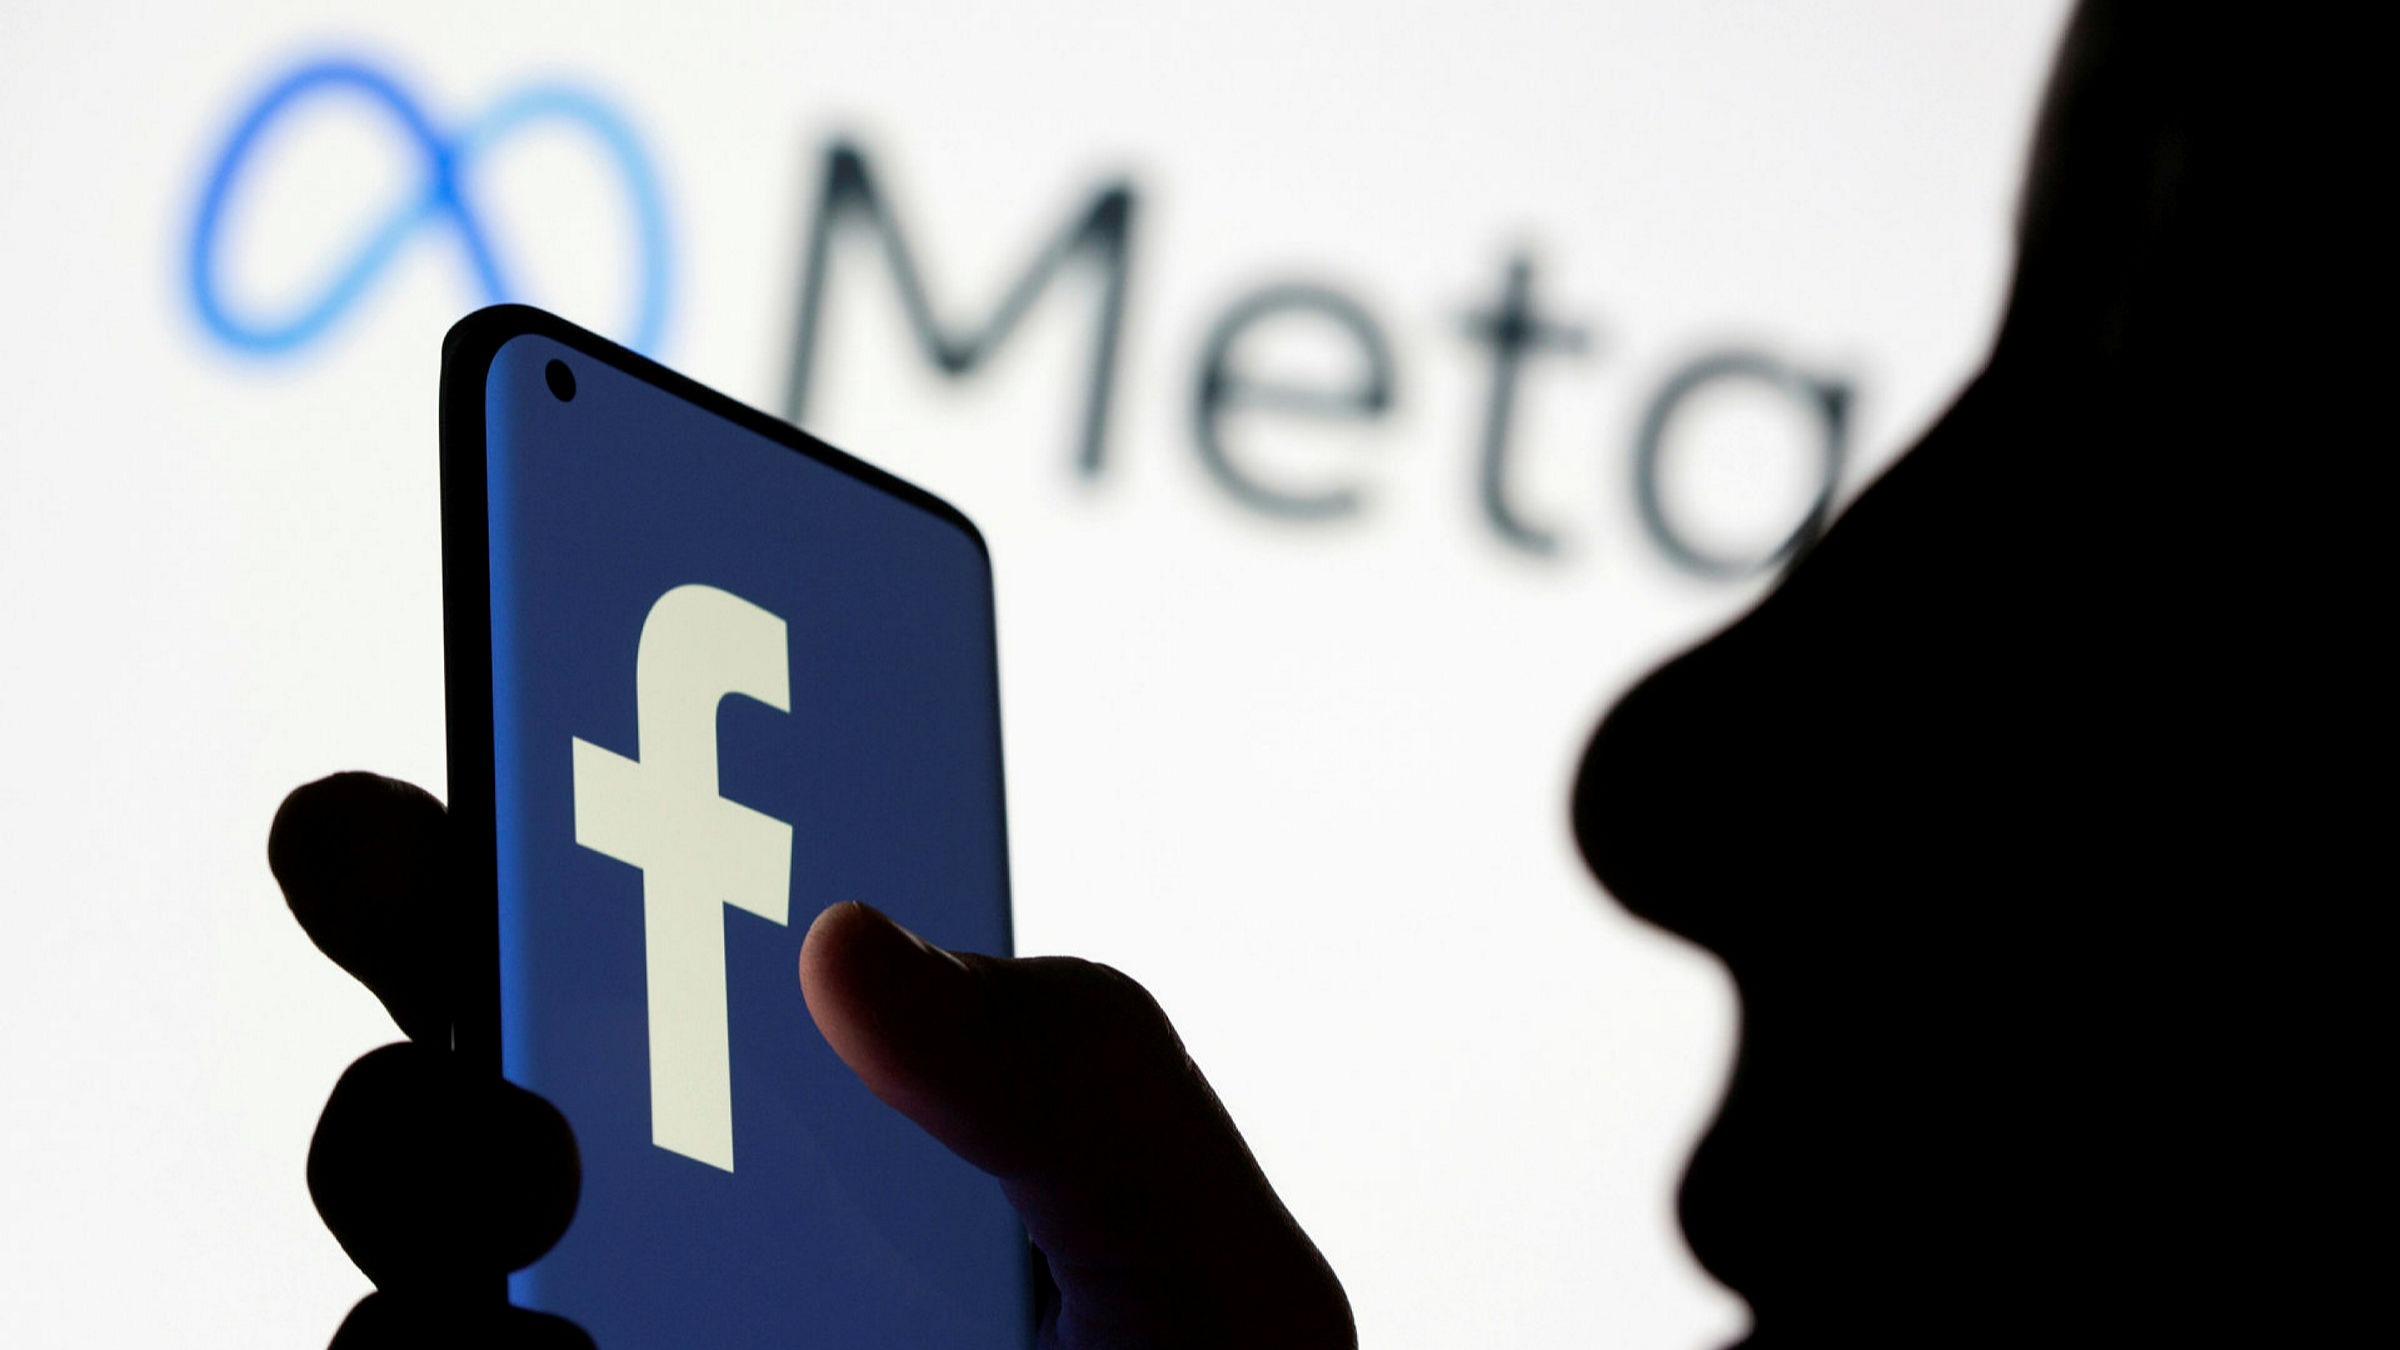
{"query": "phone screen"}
(734, 677)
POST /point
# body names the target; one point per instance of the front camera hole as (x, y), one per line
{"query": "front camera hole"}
(561, 380)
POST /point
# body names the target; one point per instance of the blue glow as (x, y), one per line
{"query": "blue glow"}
(440, 198)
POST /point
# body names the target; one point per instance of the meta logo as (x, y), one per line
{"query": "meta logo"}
(440, 201)
(1235, 401)
(697, 851)
(1232, 395)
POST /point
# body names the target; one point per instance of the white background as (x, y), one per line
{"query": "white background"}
(1307, 782)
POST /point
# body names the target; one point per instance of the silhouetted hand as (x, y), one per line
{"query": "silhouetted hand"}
(1061, 1078)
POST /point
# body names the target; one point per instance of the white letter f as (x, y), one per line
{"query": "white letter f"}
(698, 852)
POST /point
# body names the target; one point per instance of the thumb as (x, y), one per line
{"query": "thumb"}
(1065, 1081)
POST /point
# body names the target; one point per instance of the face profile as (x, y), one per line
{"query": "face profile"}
(1940, 803)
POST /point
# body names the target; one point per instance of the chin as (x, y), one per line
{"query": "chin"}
(1825, 1216)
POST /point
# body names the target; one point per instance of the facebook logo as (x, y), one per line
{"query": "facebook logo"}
(698, 852)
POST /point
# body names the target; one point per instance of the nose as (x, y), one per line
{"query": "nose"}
(1664, 805)
(1715, 798)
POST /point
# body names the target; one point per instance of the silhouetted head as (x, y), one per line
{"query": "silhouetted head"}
(1964, 799)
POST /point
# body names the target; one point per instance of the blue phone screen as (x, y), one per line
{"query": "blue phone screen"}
(731, 686)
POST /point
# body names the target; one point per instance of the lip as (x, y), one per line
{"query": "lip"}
(1718, 1202)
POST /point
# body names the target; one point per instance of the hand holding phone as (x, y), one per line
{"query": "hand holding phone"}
(1154, 1227)
(702, 667)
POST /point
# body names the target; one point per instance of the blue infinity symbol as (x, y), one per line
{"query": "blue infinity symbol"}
(440, 198)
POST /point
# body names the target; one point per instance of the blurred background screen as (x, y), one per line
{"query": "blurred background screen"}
(1357, 398)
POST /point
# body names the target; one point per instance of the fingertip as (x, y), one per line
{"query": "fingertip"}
(856, 957)
(320, 824)
(434, 1178)
(824, 983)
(905, 1015)
(826, 934)
(365, 866)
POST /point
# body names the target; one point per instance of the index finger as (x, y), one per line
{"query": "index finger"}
(367, 866)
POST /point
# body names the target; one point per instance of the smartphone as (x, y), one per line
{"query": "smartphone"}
(708, 675)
